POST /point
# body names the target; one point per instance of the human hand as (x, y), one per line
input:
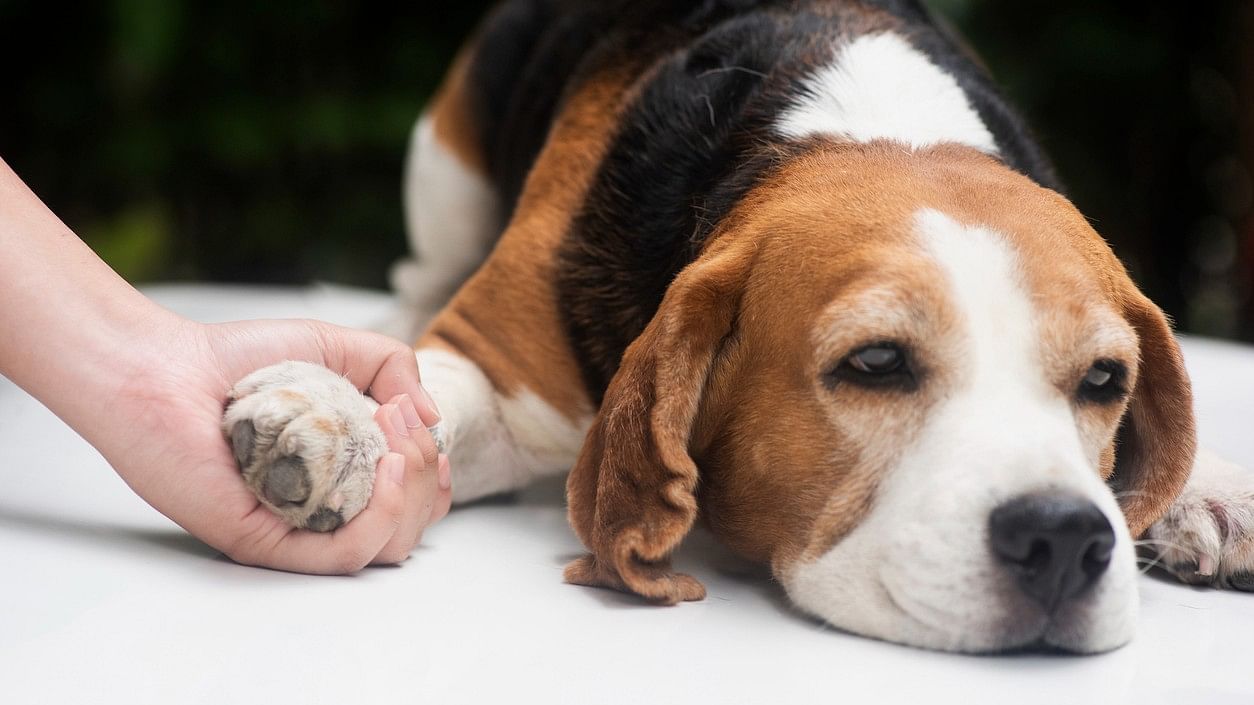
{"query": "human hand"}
(166, 443)
(147, 389)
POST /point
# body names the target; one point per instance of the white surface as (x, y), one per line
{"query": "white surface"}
(104, 600)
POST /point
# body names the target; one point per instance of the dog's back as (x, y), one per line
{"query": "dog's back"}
(708, 82)
(530, 53)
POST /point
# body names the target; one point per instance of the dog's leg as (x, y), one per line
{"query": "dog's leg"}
(452, 212)
(307, 444)
(497, 359)
(1207, 536)
(497, 440)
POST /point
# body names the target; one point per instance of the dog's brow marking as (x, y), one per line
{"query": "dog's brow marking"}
(879, 87)
(984, 280)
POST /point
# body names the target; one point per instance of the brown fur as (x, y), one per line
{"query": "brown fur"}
(330, 427)
(504, 318)
(635, 481)
(453, 120)
(295, 397)
(1158, 442)
(719, 399)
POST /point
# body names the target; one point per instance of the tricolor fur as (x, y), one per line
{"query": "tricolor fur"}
(707, 213)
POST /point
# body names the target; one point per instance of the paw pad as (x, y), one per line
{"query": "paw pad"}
(286, 481)
(306, 443)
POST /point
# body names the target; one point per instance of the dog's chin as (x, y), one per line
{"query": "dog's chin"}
(1001, 622)
(1019, 633)
(1060, 636)
(1088, 626)
(1098, 624)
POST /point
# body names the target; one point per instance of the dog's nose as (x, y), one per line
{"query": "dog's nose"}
(1056, 544)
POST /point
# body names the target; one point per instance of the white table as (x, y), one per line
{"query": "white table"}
(102, 600)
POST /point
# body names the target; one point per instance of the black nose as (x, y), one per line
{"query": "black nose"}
(1056, 544)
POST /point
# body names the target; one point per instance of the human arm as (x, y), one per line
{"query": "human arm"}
(146, 388)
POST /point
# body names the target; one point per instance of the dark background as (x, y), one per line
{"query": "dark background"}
(240, 141)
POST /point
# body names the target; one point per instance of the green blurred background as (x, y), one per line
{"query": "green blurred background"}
(263, 142)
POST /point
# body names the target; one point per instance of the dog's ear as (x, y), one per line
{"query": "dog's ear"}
(1156, 444)
(632, 493)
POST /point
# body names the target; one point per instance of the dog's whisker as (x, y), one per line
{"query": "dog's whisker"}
(1161, 543)
(1148, 565)
(725, 69)
(710, 107)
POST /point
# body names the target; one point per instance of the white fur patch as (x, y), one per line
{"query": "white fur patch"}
(881, 88)
(495, 443)
(919, 569)
(451, 216)
(549, 441)
(982, 271)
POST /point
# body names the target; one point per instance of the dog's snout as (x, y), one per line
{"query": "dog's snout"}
(1056, 544)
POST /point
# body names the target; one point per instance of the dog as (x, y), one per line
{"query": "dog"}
(797, 269)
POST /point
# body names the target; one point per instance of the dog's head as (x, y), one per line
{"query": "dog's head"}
(918, 385)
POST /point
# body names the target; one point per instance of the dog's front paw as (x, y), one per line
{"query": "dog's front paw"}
(1207, 536)
(306, 442)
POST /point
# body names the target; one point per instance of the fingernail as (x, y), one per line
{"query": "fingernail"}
(396, 468)
(443, 475)
(409, 411)
(398, 421)
(429, 403)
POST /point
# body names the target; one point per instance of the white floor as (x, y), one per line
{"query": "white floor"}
(102, 600)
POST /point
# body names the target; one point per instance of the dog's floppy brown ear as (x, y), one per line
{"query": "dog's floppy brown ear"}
(632, 491)
(1157, 440)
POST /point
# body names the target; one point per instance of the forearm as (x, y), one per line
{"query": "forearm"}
(73, 330)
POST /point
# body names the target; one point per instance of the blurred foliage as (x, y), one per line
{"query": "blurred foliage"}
(227, 141)
(239, 141)
(1148, 111)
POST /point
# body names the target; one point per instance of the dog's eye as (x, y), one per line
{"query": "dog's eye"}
(1104, 382)
(875, 365)
(877, 359)
(1097, 377)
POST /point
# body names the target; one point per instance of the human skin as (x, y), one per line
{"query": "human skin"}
(146, 388)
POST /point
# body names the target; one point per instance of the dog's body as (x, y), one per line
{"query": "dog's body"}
(798, 265)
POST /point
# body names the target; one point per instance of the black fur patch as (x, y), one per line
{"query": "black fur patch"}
(528, 53)
(690, 148)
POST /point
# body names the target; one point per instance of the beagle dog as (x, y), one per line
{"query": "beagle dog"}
(796, 269)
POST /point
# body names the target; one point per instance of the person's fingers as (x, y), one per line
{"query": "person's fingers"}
(400, 424)
(349, 548)
(443, 498)
(382, 366)
(414, 430)
(444, 482)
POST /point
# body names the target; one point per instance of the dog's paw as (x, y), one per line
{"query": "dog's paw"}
(306, 442)
(1207, 536)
